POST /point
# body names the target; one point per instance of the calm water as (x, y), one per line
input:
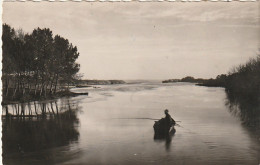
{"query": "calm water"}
(105, 128)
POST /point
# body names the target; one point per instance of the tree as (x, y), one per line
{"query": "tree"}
(38, 61)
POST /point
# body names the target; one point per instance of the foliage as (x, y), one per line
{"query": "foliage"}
(244, 80)
(36, 63)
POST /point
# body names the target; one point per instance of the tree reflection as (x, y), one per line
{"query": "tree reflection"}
(25, 135)
(246, 108)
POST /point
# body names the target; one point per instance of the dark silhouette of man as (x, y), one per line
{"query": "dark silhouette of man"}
(163, 126)
(168, 120)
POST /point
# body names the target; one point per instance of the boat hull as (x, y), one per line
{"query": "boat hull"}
(161, 129)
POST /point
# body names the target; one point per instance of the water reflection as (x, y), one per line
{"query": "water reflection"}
(54, 138)
(27, 137)
(165, 138)
(246, 108)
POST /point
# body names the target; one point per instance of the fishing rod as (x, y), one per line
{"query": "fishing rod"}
(147, 118)
(176, 124)
(143, 118)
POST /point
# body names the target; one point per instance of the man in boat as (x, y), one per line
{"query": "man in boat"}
(169, 122)
(163, 126)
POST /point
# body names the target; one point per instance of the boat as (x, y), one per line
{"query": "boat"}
(161, 129)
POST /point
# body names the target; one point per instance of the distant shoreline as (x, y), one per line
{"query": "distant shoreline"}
(87, 83)
(218, 82)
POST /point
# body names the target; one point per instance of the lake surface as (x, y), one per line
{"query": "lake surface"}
(112, 126)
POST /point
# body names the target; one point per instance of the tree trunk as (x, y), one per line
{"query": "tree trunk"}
(42, 109)
(29, 108)
(23, 85)
(42, 87)
(57, 109)
(35, 108)
(46, 88)
(29, 85)
(18, 108)
(36, 84)
(52, 80)
(35, 89)
(52, 109)
(19, 82)
(29, 88)
(6, 86)
(15, 109)
(48, 108)
(68, 86)
(22, 109)
(6, 111)
(15, 90)
(56, 83)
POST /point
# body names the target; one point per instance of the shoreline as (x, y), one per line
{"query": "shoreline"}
(21, 97)
(208, 85)
(32, 97)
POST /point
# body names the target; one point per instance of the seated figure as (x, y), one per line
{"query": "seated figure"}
(163, 126)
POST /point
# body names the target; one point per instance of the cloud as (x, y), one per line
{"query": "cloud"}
(148, 40)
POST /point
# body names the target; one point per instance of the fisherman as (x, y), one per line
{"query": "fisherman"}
(168, 119)
(162, 127)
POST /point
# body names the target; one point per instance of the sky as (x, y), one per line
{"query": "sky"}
(148, 40)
